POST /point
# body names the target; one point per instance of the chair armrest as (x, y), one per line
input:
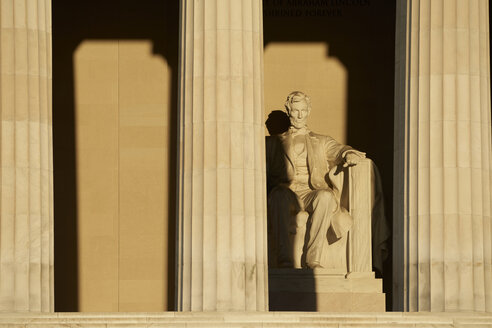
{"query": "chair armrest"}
(360, 204)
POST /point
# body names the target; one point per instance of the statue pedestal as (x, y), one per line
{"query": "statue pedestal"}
(325, 290)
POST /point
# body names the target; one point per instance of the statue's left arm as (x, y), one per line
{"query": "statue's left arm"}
(337, 153)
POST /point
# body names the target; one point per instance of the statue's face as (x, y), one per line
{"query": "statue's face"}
(298, 114)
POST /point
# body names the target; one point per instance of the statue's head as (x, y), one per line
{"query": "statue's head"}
(298, 106)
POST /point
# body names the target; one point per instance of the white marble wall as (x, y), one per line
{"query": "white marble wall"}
(442, 240)
(26, 167)
(221, 238)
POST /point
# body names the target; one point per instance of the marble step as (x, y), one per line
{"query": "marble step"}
(244, 319)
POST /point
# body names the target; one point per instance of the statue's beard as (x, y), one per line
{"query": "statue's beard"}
(298, 124)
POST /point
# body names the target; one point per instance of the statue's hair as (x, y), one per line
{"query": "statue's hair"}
(296, 96)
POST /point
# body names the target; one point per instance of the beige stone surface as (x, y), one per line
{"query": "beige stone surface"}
(324, 290)
(442, 236)
(221, 239)
(122, 111)
(322, 281)
(26, 165)
(247, 319)
(144, 133)
(327, 302)
(96, 113)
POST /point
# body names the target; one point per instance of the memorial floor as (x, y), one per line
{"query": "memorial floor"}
(245, 319)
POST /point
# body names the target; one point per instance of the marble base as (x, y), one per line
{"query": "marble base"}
(324, 290)
(245, 320)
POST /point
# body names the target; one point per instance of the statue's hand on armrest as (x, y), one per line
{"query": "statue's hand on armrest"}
(352, 157)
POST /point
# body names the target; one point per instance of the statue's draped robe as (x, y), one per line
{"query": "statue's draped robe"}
(324, 156)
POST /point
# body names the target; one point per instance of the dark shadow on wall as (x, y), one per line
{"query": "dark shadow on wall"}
(73, 22)
(362, 37)
(278, 122)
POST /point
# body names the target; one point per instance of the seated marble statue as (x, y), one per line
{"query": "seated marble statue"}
(304, 197)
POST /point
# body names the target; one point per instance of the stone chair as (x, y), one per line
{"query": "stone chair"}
(347, 281)
(352, 252)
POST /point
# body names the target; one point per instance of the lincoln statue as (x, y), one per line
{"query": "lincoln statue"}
(304, 194)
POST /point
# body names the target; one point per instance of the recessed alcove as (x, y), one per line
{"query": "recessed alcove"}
(341, 53)
(114, 131)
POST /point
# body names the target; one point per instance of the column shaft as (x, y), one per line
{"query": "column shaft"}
(221, 236)
(442, 236)
(26, 169)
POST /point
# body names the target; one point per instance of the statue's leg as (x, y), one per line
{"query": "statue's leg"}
(283, 206)
(321, 204)
(297, 238)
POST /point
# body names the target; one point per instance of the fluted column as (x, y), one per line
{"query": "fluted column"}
(442, 242)
(221, 237)
(26, 170)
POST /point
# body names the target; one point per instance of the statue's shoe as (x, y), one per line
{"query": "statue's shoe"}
(314, 265)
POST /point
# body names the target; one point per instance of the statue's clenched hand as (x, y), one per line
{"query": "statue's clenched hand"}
(351, 159)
